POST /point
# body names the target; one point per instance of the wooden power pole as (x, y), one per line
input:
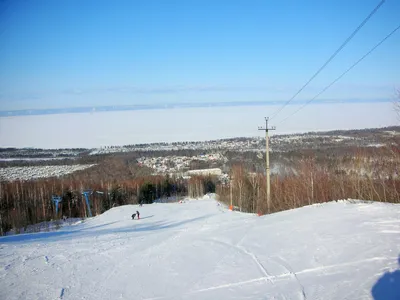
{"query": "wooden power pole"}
(230, 188)
(267, 162)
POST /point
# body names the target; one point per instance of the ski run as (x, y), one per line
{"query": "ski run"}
(199, 249)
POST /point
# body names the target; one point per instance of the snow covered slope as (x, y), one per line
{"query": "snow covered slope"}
(200, 250)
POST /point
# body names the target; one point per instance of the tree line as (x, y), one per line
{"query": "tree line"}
(361, 176)
(23, 203)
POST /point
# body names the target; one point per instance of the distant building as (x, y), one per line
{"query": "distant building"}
(205, 172)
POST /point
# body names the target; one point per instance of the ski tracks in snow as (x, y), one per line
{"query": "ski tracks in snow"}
(242, 250)
(271, 278)
(266, 276)
(286, 265)
(255, 259)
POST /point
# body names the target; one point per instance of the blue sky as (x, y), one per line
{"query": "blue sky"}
(70, 53)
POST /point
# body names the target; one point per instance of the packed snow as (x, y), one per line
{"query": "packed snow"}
(198, 249)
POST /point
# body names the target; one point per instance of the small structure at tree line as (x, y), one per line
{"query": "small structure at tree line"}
(86, 193)
(56, 200)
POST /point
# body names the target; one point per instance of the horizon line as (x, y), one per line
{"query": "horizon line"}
(158, 106)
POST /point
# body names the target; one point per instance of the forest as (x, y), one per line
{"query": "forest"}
(299, 177)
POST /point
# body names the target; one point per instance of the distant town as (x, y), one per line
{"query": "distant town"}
(186, 158)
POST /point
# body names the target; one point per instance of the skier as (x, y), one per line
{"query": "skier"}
(133, 216)
(138, 214)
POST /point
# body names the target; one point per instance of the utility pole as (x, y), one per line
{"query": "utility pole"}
(230, 188)
(267, 162)
(312, 188)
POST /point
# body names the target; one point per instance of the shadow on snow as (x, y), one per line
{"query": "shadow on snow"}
(141, 218)
(388, 286)
(86, 232)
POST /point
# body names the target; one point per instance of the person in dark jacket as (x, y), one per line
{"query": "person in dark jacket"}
(138, 214)
(133, 216)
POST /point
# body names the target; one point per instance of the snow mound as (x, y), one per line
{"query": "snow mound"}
(201, 250)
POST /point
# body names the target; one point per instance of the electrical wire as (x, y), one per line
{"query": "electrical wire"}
(330, 58)
(344, 73)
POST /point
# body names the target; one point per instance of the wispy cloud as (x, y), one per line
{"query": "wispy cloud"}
(132, 89)
(134, 94)
(169, 89)
(20, 97)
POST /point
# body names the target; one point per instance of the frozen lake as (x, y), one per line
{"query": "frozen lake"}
(184, 124)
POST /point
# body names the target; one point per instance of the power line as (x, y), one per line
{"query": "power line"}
(344, 73)
(330, 58)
